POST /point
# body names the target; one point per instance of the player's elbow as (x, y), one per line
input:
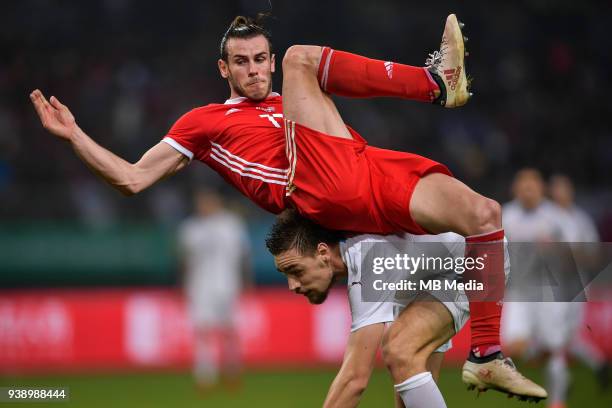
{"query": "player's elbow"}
(358, 386)
(133, 181)
(129, 187)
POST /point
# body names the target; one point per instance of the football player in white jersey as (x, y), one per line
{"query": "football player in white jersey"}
(577, 224)
(313, 258)
(579, 227)
(214, 278)
(530, 328)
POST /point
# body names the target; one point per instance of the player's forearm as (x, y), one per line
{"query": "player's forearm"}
(111, 168)
(345, 391)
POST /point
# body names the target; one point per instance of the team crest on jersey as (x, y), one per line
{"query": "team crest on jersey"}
(266, 108)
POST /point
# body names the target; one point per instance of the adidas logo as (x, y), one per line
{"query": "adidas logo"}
(233, 110)
(389, 68)
(452, 76)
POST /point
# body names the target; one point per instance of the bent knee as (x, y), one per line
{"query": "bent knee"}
(302, 57)
(400, 355)
(486, 217)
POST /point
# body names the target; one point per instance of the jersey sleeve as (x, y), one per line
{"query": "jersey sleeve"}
(190, 135)
(362, 313)
(367, 313)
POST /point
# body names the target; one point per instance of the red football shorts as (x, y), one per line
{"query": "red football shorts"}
(345, 184)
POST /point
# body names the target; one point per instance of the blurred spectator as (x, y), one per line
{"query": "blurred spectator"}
(214, 251)
(130, 75)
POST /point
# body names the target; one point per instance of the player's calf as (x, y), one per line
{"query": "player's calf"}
(408, 344)
(407, 363)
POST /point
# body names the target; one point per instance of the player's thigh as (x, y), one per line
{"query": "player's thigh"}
(425, 324)
(441, 203)
(303, 100)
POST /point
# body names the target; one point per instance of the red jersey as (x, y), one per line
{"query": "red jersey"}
(243, 141)
(339, 183)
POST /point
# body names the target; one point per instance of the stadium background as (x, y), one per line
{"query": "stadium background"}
(78, 261)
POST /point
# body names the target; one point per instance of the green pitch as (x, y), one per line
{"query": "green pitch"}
(266, 388)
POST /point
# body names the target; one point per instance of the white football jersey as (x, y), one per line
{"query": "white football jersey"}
(367, 313)
(540, 224)
(577, 225)
(213, 249)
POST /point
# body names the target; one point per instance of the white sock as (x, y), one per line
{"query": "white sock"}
(557, 378)
(205, 369)
(420, 391)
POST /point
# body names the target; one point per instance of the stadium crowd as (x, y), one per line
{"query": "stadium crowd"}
(539, 71)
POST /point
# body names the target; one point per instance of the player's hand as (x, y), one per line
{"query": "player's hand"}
(54, 116)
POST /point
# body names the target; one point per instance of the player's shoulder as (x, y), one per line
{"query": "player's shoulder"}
(210, 108)
(200, 116)
(511, 207)
(355, 241)
(356, 248)
(351, 247)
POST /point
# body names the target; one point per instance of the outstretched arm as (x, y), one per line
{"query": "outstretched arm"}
(157, 163)
(353, 377)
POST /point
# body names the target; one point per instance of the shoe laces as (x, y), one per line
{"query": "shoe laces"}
(434, 59)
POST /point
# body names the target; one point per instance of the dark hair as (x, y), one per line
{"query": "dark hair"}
(245, 27)
(291, 230)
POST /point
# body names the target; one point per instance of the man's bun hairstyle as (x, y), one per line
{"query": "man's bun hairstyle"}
(245, 27)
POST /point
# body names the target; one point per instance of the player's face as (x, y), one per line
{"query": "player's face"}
(529, 190)
(249, 67)
(310, 276)
(562, 191)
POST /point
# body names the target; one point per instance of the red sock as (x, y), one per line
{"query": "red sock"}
(486, 306)
(345, 74)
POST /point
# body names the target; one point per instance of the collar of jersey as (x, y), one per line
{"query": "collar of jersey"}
(242, 98)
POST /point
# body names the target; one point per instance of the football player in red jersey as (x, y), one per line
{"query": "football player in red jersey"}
(295, 151)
